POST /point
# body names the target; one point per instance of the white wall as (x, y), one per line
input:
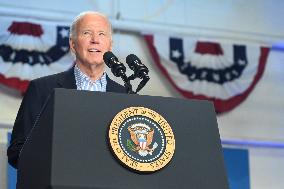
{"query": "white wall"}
(260, 117)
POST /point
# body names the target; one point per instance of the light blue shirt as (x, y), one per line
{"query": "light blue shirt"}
(83, 82)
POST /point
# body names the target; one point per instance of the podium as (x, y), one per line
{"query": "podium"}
(69, 149)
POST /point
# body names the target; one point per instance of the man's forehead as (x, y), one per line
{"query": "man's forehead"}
(95, 22)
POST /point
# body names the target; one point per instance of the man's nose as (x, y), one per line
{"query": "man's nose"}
(94, 38)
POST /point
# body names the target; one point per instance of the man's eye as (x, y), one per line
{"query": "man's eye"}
(86, 33)
(102, 33)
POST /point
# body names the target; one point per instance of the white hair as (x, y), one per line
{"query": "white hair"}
(73, 27)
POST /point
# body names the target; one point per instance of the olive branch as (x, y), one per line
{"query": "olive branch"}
(130, 145)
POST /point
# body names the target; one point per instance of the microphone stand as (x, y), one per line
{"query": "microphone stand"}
(142, 83)
(127, 84)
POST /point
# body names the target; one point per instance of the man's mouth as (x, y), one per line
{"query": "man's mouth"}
(93, 50)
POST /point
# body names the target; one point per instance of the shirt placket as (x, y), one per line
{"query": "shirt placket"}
(91, 86)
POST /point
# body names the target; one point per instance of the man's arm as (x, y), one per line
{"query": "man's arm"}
(28, 111)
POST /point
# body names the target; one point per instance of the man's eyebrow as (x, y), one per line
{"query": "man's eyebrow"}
(85, 29)
(102, 31)
(106, 32)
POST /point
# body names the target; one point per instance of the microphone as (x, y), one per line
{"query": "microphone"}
(117, 68)
(135, 64)
(140, 70)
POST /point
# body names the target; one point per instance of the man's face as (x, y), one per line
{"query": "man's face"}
(92, 40)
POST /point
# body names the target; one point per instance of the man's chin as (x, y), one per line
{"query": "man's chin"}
(91, 63)
(97, 63)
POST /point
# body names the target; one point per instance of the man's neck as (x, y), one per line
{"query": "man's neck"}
(94, 72)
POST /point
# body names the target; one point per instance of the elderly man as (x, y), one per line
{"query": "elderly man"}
(90, 38)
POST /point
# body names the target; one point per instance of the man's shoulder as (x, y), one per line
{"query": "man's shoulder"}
(53, 79)
(59, 80)
(49, 78)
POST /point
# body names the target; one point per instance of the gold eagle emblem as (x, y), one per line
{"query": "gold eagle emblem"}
(142, 137)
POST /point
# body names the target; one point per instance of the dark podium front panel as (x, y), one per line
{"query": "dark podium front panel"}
(69, 147)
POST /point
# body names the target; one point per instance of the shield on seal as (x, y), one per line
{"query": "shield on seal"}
(142, 143)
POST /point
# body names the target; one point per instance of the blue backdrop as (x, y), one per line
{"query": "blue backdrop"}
(237, 167)
(12, 174)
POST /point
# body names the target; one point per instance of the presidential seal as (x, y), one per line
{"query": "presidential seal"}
(141, 139)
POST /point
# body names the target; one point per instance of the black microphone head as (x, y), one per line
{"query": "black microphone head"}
(109, 57)
(131, 60)
(117, 68)
(135, 64)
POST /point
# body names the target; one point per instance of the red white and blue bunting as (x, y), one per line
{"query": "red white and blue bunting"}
(224, 73)
(29, 50)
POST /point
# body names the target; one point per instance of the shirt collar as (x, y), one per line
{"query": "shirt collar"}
(81, 78)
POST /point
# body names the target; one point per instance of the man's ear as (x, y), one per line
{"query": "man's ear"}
(72, 44)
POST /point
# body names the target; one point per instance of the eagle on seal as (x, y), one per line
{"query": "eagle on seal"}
(142, 136)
